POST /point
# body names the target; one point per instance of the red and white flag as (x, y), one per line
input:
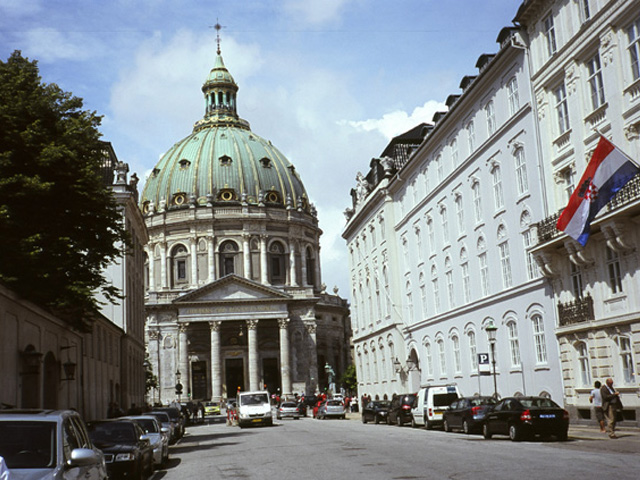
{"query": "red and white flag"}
(607, 172)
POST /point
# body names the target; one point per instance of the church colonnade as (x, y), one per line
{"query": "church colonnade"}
(204, 259)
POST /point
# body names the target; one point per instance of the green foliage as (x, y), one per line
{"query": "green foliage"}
(349, 379)
(59, 224)
(150, 380)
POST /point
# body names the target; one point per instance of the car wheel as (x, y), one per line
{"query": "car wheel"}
(465, 427)
(447, 427)
(364, 419)
(399, 421)
(428, 425)
(389, 420)
(377, 420)
(413, 423)
(514, 433)
(485, 431)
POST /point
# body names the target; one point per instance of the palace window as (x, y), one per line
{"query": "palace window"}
(228, 254)
(473, 349)
(512, 93)
(583, 361)
(179, 260)
(626, 359)
(539, 339)
(514, 344)
(549, 32)
(613, 267)
(562, 108)
(633, 34)
(491, 117)
(277, 270)
(596, 85)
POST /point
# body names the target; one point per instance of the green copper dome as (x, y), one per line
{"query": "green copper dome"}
(222, 161)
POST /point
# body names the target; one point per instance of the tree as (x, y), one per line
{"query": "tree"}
(59, 224)
(349, 379)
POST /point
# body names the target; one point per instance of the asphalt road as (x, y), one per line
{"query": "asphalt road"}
(347, 449)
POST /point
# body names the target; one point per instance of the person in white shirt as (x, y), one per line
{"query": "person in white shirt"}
(595, 397)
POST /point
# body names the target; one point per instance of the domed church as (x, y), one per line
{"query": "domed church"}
(235, 299)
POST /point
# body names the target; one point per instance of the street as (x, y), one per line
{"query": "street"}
(337, 449)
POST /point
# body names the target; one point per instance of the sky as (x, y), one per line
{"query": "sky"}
(328, 82)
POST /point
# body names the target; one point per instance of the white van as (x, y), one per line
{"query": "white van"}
(430, 403)
(254, 408)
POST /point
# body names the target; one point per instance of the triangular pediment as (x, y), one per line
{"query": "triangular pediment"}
(232, 288)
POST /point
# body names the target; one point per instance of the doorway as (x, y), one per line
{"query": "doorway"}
(234, 375)
(199, 381)
(271, 375)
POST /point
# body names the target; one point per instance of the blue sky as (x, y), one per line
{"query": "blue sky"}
(329, 82)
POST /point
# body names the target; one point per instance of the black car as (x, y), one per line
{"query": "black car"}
(177, 418)
(525, 417)
(467, 414)
(376, 411)
(400, 410)
(126, 453)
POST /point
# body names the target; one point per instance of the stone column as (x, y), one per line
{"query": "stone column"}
(264, 274)
(154, 358)
(183, 357)
(152, 268)
(246, 255)
(254, 373)
(194, 261)
(211, 258)
(318, 273)
(293, 280)
(163, 265)
(313, 356)
(303, 270)
(285, 355)
(216, 362)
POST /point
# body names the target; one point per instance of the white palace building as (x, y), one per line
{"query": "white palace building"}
(452, 230)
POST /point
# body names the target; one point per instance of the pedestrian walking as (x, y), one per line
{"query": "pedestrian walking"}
(611, 405)
(596, 398)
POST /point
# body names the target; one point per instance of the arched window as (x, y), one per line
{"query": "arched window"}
(539, 338)
(428, 359)
(457, 363)
(626, 359)
(514, 343)
(423, 295)
(387, 293)
(179, 265)
(435, 288)
(583, 362)
(498, 195)
(228, 256)
(409, 303)
(522, 181)
(277, 267)
(442, 359)
(473, 350)
(311, 267)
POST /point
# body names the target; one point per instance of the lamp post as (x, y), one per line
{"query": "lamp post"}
(178, 385)
(491, 333)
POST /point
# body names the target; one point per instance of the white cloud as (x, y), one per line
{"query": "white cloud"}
(50, 45)
(20, 7)
(398, 121)
(315, 12)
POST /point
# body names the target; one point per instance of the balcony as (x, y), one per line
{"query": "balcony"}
(631, 192)
(578, 311)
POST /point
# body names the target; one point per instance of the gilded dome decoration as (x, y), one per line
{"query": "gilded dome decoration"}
(222, 160)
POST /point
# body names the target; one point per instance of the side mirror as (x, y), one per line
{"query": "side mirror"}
(82, 456)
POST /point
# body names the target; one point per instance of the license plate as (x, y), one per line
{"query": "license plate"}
(256, 420)
(549, 415)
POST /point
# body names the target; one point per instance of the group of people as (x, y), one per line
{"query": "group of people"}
(607, 404)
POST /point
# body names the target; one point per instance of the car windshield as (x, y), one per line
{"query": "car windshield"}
(334, 403)
(163, 417)
(382, 404)
(26, 444)
(255, 399)
(115, 433)
(289, 405)
(538, 402)
(476, 402)
(148, 425)
(211, 404)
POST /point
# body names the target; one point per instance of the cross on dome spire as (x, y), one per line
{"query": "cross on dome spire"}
(218, 27)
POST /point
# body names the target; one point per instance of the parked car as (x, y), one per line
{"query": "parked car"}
(158, 437)
(165, 422)
(400, 409)
(430, 404)
(288, 409)
(211, 408)
(467, 414)
(177, 418)
(127, 453)
(376, 411)
(331, 408)
(34, 444)
(525, 417)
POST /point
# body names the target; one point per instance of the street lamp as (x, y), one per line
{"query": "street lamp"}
(491, 333)
(178, 385)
